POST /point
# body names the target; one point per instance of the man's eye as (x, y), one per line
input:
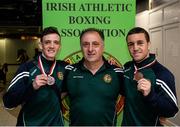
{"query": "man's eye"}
(95, 43)
(46, 42)
(140, 43)
(56, 42)
(85, 44)
(130, 44)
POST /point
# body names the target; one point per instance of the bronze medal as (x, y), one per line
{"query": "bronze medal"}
(138, 75)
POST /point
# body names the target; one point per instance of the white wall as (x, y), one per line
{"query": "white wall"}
(163, 24)
(142, 20)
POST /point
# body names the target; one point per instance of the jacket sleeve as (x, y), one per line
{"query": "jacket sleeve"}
(19, 90)
(163, 95)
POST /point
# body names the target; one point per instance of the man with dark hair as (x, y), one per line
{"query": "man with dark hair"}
(149, 88)
(93, 84)
(37, 84)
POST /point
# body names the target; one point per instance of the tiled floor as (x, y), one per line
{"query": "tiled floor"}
(7, 117)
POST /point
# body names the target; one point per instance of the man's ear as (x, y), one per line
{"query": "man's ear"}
(40, 45)
(149, 45)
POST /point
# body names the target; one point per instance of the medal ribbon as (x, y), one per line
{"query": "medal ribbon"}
(42, 68)
(136, 69)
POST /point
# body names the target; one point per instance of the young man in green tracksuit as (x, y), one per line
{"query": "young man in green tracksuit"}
(93, 84)
(149, 87)
(36, 85)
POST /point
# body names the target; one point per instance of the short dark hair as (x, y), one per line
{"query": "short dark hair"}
(100, 32)
(137, 30)
(49, 30)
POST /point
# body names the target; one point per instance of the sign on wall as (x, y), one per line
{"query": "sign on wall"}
(113, 17)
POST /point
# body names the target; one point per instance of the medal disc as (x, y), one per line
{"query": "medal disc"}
(138, 76)
(50, 80)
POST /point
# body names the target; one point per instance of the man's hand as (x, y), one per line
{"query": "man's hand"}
(39, 81)
(111, 61)
(144, 85)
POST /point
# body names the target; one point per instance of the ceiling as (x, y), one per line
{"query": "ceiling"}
(20, 17)
(24, 17)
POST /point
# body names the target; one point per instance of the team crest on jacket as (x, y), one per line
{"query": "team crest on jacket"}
(60, 75)
(107, 78)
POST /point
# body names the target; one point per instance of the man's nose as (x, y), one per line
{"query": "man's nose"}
(135, 46)
(90, 48)
(52, 44)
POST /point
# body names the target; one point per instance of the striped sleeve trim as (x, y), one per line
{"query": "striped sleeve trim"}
(9, 108)
(167, 90)
(18, 77)
(69, 67)
(118, 70)
(6, 107)
(128, 69)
